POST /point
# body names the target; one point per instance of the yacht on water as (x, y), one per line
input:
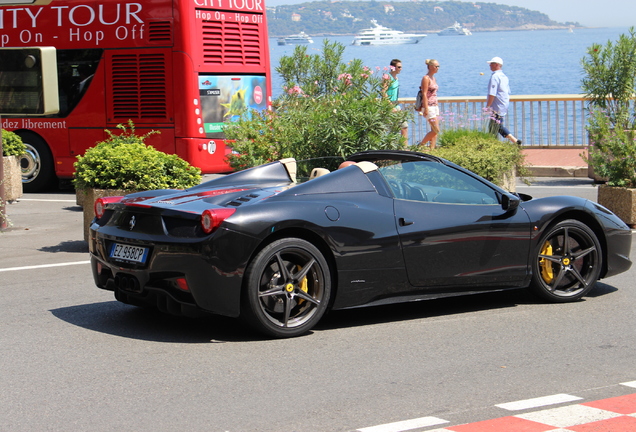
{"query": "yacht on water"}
(379, 35)
(455, 30)
(300, 38)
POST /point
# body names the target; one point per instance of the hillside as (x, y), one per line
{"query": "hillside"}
(349, 17)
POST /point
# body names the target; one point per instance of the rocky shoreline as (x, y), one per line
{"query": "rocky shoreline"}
(526, 27)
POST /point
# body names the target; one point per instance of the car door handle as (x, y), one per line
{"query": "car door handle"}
(404, 222)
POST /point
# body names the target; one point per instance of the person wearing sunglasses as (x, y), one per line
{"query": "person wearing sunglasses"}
(391, 90)
(430, 108)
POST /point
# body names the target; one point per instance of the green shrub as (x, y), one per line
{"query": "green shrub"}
(612, 151)
(12, 144)
(609, 83)
(329, 108)
(124, 161)
(453, 136)
(609, 80)
(481, 153)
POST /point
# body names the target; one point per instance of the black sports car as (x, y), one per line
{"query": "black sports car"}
(396, 226)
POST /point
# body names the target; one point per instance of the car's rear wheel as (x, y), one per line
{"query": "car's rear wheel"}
(288, 285)
(567, 262)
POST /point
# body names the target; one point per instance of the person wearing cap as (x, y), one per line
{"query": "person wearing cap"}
(498, 99)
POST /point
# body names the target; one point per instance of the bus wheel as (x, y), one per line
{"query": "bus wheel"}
(38, 172)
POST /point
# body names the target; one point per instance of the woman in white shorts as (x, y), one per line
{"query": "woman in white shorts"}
(430, 109)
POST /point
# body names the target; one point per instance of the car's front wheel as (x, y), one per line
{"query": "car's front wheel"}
(288, 285)
(567, 262)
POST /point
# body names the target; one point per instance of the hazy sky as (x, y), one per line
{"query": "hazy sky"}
(591, 13)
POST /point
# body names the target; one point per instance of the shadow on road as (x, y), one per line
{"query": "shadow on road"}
(79, 246)
(121, 320)
(441, 307)
(76, 208)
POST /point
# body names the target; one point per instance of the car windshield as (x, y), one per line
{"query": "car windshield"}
(434, 182)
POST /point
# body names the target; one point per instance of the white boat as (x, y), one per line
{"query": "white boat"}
(300, 38)
(455, 30)
(379, 35)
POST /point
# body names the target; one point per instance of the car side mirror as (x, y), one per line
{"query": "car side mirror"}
(509, 202)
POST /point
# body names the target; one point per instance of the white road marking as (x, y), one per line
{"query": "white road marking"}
(568, 416)
(557, 417)
(44, 266)
(538, 402)
(405, 425)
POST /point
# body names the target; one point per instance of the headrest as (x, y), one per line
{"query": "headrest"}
(317, 172)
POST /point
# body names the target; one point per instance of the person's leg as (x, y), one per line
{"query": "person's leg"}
(506, 133)
(431, 136)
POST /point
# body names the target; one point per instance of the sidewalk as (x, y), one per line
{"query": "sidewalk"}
(556, 162)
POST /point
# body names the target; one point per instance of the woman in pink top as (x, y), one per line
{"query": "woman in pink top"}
(430, 110)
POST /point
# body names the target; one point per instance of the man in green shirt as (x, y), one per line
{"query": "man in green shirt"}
(391, 87)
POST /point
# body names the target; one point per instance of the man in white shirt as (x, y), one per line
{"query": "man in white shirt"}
(498, 99)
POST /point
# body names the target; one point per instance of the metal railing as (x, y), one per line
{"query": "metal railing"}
(539, 120)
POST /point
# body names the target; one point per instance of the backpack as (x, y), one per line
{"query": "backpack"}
(418, 100)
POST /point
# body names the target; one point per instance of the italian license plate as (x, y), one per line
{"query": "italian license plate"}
(129, 253)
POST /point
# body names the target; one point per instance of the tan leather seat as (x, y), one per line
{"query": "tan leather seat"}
(317, 172)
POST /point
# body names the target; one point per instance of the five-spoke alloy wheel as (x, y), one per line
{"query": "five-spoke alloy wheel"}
(288, 285)
(567, 262)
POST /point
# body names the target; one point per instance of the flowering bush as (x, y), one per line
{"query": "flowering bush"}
(328, 108)
(458, 117)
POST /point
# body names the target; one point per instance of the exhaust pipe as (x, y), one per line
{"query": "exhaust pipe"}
(126, 282)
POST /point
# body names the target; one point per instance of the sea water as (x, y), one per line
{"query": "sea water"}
(541, 62)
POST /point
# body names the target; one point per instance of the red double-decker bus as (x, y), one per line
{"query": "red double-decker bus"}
(181, 67)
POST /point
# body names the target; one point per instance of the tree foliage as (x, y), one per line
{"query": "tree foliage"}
(610, 79)
(609, 83)
(329, 108)
(349, 17)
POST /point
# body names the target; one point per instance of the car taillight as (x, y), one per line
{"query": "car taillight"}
(211, 219)
(100, 204)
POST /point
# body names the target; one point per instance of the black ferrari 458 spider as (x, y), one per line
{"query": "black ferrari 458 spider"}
(395, 226)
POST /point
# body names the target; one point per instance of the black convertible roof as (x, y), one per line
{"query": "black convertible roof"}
(402, 155)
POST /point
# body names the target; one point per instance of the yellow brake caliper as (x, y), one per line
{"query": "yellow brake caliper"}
(546, 266)
(303, 285)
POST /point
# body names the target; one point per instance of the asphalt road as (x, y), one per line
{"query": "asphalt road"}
(73, 359)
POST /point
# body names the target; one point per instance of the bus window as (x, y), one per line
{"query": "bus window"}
(225, 98)
(75, 72)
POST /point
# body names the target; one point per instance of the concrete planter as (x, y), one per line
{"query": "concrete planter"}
(597, 178)
(12, 178)
(510, 180)
(86, 198)
(621, 201)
